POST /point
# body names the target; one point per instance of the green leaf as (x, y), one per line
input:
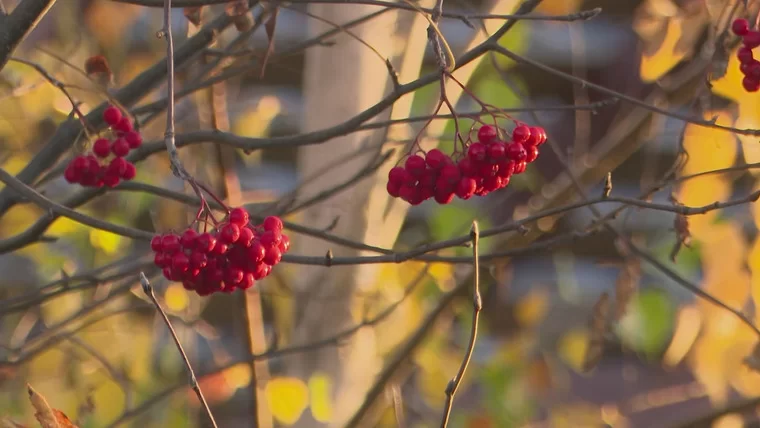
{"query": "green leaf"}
(649, 323)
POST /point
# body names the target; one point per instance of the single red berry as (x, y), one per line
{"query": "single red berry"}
(273, 223)
(134, 139)
(110, 179)
(427, 192)
(284, 244)
(247, 282)
(487, 134)
(256, 252)
(220, 248)
(397, 175)
(516, 152)
(270, 238)
(272, 256)
(467, 167)
(72, 174)
(532, 153)
(246, 237)
(198, 260)
(160, 259)
(451, 174)
(180, 262)
(205, 242)
(233, 276)
(751, 39)
(393, 188)
(520, 167)
(466, 188)
(477, 152)
(436, 159)
(238, 216)
(428, 178)
(521, 134)
(506, 168)
(754, 70)
(491, 184)
(80, 162)
(155, 244)
(740, 26)
(497, 151)
(415, 165)
(443, 197)
(537, 136)
(124, 125)
(745, 55)
(101, 147)
(187, 239)
(129, 171)
(93, 166)
(229, 233)
(112, 115)
(750, 84)
(116, 167)
(487, 170)
(262, 271)
(407, 192)
(170, 243)
(120, 147)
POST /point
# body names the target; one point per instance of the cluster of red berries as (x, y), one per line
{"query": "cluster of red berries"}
(487, 166)
(750, 67)
(106, 165)
(233, 256)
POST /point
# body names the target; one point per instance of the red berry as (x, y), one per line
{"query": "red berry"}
(198, 260)
(477, 151)
(168, 274)
(205, 242)
(754, 70)
(393, 188)
(110, 179)
(272, 256)
(537, 137)
(467, 167)
(752, 39)
(466, 188)
(80, 162)
(505, 168)
(487, 170)
(111, 115)
(229, 233)
(497, 151)
(451, 174)
(93, 166)
(120, 147)
(744, 54)
(72, 174)
(532, 152)
(101, 147)
(246, 237)
(397, 175)
(116, 167)
(238, 216)
(284, 244)
(521, 134)
(516, 152)
(160, 260)
(273, 223)
(233, 276)
(124, 125)
(220, 248)
(415, 165)
(750, 84)
(180, 262)
(129, 171)
(256, 252)
(520, 167)
(134, 139)
(155, 244)
(443, 197)
(170, 243)
(407, 192)
(740, 26)
(270, 238)
(436, 159)
(187, 239)
(262, 270)
(247, 282)
(491, 184)
(487, 134)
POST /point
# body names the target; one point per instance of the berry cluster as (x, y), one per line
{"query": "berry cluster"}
(106, 165)
(750, 67)
(487, 166)
(233, 256)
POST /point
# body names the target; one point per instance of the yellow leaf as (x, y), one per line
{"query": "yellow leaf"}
(666, 57)
(572, 348)
(106, 241)
(320, 391)
(531, 308)
(176, 297)
(287, 397)
(238, 376)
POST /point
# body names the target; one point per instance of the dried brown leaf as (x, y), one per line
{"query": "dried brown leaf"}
(97, 69)
(46, 415)
(242, 18)
(626, 285)
(598, 327)
(193, 14)
(683, 235)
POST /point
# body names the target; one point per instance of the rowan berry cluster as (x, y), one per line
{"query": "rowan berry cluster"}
(105, 165)
(750, 67)
(487, 166)
(233, 256)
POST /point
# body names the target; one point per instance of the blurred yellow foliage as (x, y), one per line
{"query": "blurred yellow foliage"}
(320, 391)
(532, 308)
(572, 348)
(238, 376)
(666, 56)
(109, 242)
(176, 297)
(287, 398)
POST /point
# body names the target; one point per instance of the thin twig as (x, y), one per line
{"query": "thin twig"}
(171, 148)
(477, 306)
(148, 290)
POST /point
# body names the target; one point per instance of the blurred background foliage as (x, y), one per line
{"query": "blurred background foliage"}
(673, 356)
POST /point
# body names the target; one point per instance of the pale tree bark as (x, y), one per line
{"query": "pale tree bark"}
(341, 81)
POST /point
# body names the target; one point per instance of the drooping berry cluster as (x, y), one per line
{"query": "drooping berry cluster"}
(233, 256)
(487, 166)
(750, 67)
(105, 165)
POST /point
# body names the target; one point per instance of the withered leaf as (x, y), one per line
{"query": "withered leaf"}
(46, 415)
(683, 235)
(193, 14)
(598, 327)
(626, 285)
(97, 69)
(241, 16)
